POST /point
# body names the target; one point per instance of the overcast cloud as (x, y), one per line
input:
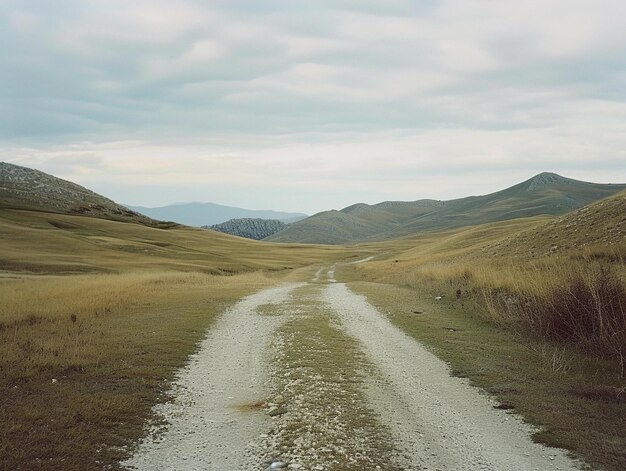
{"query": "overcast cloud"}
(308, 105)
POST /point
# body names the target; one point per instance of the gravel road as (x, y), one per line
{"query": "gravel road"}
(403, 394)
(438, 421)
(205, 429)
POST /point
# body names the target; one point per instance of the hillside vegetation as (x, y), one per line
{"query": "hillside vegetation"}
(100, 310)
(544, 194)
(97, 316)
(533, 310)
(249, 228)
(26, 188)
(563, 279)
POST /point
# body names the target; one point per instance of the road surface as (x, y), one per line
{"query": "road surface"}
(310, 376)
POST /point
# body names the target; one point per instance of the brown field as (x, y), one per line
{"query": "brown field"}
(96, 316)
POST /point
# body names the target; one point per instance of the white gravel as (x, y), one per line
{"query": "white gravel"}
(439, 422)
(205, 430)
(436, 421)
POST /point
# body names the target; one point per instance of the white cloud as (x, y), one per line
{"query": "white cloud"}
(352, 95)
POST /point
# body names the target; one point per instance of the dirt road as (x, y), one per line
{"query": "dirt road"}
(310, 376)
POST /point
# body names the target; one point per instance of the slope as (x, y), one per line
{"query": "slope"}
(544, 194)
(250, 228)
(40, 242)
(355, 223)
(26, 188)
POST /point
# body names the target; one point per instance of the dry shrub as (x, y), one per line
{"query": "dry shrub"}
(587, 307)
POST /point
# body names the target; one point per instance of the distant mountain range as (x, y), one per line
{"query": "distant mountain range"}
(208, 214)
(249, 228)
(544, 194)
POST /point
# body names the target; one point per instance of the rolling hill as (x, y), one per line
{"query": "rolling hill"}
(597, 230)
(250, 228)
(544, 194)
(30, 189)
(208, 214)
(50, 225)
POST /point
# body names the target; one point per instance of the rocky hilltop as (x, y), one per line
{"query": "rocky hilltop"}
(30, 189)
(250, 228)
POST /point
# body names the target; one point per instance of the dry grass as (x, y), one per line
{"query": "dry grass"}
(56, 322)
(95, 318)
(75, 392)
(43, 243)
(576, 296)
(573, 396)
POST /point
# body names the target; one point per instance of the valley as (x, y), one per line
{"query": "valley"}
(316, 356)
(312, 236)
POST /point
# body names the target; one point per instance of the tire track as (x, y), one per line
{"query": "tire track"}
(438, 421)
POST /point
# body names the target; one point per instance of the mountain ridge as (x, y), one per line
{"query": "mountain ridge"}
(546, 193)
(200, 214)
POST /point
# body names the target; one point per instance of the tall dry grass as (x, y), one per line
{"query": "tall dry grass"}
(58, 297)
(84, 358)
(578, 299)
(581, 302)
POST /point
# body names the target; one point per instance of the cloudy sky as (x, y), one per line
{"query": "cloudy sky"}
(310, 105)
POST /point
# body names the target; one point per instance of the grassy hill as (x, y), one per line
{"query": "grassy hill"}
(250, 228)
(40, 242)
(544, 194)
(26, 188)
(100, 307)
(560, 277)
(531, 309)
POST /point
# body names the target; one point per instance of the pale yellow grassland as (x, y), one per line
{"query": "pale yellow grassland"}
(58, 297)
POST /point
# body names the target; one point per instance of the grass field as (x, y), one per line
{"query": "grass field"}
(532, 310)
(81, 372)
(96, 317)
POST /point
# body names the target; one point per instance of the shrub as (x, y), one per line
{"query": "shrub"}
(587, 308)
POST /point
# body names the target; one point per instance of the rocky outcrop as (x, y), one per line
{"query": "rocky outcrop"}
(250, 228)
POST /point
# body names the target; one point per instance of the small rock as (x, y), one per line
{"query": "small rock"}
(54, 380)
(277, 465)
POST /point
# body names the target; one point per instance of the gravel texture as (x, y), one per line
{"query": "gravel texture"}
(310, 376)
(439, 422)
(208, 426)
